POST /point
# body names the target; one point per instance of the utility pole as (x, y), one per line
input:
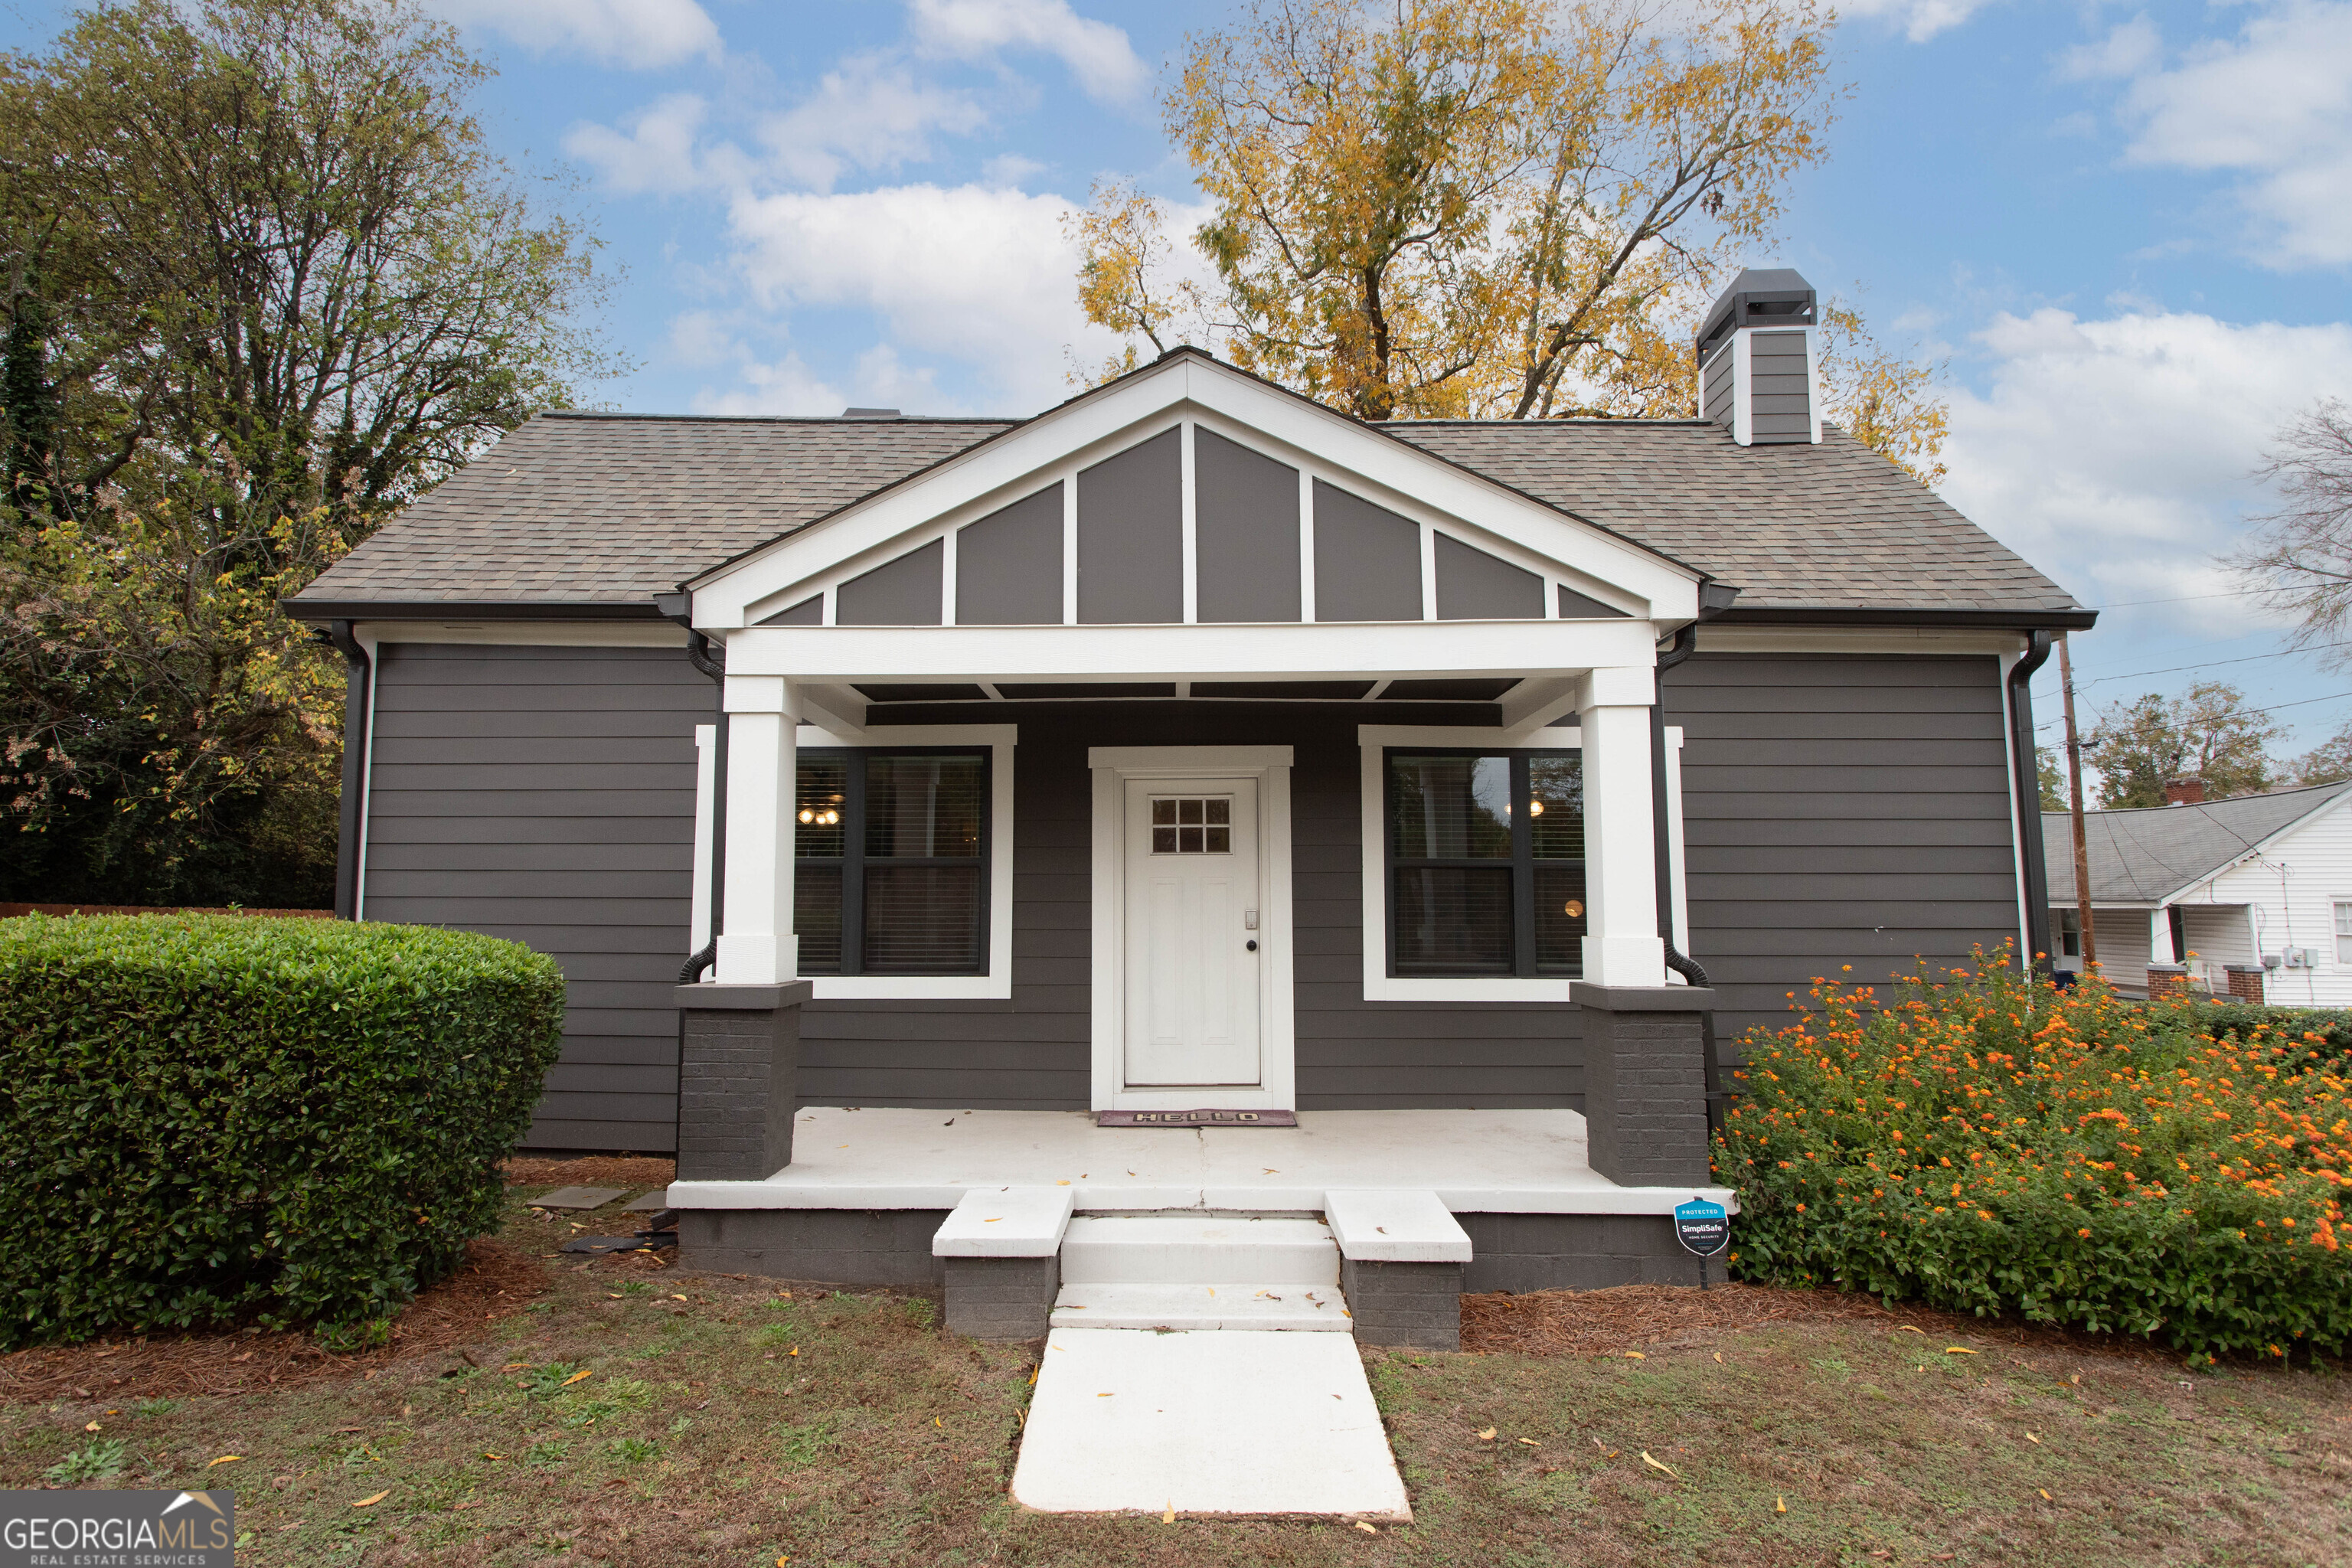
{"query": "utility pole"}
(2074, 801)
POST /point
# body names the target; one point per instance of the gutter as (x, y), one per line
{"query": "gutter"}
(328, 610)
(1990, 620)
(1714, 599)
(2025, 787)
(357, 683)
(678, 608)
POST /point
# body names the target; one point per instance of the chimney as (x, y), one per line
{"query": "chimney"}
(1757, 361)
(2184, 792)
(870, 414)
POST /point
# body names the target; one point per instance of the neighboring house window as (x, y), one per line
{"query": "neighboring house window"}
(2344, 933)
(2069, 934)
(890, 862)
(1476, 885)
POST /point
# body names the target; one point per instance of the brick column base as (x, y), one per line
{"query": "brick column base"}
(739, 1051)
(2164, 979)
(1002, 1297)
(2246, 982)
(1417, 1305)
(1645, 1083)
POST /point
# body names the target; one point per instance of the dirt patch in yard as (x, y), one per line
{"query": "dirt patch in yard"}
(498, 1279)
(630, 1170)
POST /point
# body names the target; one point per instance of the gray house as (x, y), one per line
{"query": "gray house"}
(917, 806)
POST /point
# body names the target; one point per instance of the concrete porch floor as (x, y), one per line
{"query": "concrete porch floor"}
(1489, 1161)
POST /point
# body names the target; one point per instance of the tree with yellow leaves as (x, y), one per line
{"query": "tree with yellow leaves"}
(1490, 208)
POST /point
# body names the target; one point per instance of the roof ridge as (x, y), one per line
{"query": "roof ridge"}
(2225, 800)
(776, 418)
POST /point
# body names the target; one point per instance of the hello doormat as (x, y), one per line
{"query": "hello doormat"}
(1196, 1118)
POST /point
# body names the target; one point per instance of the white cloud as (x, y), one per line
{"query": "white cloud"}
(2127, 50)
(659, 151)
(787, 385)
(977, 274)
(2274, 105)
(644, 35)
(2115, 453)
(1097, 53)
(1919, 20)
(867, 114)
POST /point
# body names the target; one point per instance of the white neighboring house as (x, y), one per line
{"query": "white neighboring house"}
(2261, 883)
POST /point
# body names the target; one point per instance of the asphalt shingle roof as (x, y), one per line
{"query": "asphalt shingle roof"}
(575, 509)
(2141, 857)
(612, 509)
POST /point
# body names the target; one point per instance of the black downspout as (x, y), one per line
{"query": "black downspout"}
(698, 653)
(356, 672)
(2025, 779)
(1679, 961)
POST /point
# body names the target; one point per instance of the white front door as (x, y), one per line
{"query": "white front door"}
(1193, 943)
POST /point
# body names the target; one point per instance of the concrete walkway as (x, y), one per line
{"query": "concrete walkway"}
(1231, 1421)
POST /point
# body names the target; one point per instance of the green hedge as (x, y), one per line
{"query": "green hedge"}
(1988, 1145)
(220, 1119)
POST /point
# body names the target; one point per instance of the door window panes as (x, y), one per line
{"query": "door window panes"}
(1191, 824)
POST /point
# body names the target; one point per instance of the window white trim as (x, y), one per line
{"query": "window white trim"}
(1111, 767)
(996, 985)
(705, 771)
(1379, 986)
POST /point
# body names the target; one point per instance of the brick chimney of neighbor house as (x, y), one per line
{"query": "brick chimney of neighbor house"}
(2184, 792)
(1757, 360)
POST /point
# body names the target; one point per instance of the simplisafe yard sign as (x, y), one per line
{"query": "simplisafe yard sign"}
(1703, 1227)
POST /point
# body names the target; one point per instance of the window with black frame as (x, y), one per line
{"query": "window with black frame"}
(890, 862)
(1485, 872)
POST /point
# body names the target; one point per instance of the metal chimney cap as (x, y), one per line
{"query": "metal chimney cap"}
(1760, 296)
(870, 414)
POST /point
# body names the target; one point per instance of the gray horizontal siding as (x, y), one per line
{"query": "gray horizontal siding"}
(1839, 810)
(546, 796)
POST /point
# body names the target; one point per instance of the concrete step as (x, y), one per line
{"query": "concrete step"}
(1198, 1249)
(1315, 1309)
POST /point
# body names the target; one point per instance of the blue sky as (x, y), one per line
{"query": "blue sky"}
(2127, 229)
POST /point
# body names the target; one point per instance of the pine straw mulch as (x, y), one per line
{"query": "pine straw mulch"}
(496, 1280)
(628, 1171)
(1677, 1317)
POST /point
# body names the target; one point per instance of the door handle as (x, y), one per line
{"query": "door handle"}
(1253, 944)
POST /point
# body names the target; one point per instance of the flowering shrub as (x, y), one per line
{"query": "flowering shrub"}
(1989, 1145)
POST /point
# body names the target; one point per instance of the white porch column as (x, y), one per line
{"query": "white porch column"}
(1621, 876)
(756, 945)
(2159, 938)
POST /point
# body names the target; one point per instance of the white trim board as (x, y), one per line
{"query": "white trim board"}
(1379, 986)
(1111, 767)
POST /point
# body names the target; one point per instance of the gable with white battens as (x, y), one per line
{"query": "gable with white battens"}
(2281, 896)
(1192, 494)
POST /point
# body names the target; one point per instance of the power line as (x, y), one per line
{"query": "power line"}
(2210, 664)
(2299, 703)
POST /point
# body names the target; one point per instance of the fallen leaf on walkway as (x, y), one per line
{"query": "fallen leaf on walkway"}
(225, 1459)
(1487, 1435)
(1061, 1183)
(1102, 1396)
(1033, 1372)
(372, 1501)
(1367, 1528)
(1170, 1516)
(1656, 1465)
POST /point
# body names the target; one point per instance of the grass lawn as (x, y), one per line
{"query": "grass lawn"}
(634, 1417)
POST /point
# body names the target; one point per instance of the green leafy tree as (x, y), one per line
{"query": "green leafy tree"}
(265, 284)
(2208, 734)
(2051, 774)
(2330, 762)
